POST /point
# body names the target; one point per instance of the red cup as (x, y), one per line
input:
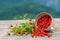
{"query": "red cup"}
(42, 15)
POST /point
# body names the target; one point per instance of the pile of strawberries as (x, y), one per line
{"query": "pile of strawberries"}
(42, 24)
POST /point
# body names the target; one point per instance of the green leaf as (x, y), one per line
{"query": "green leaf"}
(13, 29)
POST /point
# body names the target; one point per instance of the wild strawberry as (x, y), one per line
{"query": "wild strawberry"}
(8, 33)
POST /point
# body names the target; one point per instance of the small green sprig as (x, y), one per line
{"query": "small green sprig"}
(23, 28)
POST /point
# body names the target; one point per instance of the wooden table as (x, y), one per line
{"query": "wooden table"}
(4, 25)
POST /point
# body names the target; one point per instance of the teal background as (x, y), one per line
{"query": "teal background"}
(19, 9)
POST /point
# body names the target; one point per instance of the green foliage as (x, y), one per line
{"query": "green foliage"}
(21, 29)
(32, 9)
(13, 29)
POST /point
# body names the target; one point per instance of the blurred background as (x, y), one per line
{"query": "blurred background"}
(18, 9)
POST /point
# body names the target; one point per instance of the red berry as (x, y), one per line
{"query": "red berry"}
(30, 22)
(11, 25)
(9, 34)
(49, 35)
(42, 35)
(18, 32)
(22, 33)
